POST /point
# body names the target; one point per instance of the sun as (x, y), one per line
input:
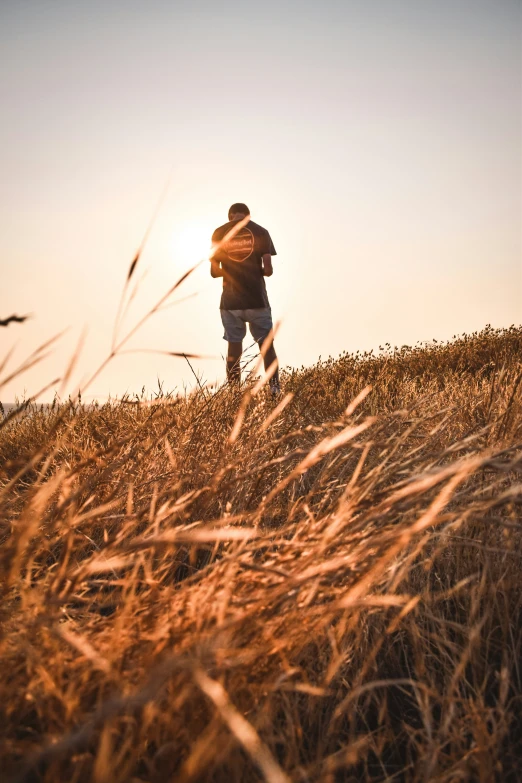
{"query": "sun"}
(191, 242)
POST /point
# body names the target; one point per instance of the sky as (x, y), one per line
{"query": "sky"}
(379, 142)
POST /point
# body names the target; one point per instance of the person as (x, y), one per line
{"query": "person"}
(242, 255)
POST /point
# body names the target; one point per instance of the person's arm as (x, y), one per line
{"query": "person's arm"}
(215, 268)
(268, 269)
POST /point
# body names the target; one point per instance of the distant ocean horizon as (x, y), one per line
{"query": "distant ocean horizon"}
(9, 406)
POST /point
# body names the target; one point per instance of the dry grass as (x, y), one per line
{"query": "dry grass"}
(332, 595)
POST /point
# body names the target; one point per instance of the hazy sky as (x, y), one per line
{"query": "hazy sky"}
(379, 141)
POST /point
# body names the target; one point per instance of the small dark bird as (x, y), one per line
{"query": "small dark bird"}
(16, 319)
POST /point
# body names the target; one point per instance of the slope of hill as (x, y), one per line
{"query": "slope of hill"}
(216, 588)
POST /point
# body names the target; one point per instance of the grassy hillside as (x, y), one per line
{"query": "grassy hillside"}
(214, 588)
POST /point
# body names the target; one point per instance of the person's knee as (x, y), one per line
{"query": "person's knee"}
(266, 343)
(235, 350)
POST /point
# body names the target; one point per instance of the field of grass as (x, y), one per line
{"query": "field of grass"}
(223, 588)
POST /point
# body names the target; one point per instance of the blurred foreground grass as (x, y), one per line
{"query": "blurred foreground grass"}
(331, 594)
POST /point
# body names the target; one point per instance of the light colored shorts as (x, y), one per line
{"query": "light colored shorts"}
(259, 321)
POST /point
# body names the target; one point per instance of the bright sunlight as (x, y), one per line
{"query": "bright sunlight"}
(190, 243)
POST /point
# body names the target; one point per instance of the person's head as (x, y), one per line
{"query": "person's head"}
(238, 211)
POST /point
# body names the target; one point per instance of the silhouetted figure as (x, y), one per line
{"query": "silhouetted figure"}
(243, 258)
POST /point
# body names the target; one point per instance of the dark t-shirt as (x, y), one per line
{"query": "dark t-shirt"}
(240, 258)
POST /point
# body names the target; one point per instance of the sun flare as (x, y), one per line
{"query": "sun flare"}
(191, 242)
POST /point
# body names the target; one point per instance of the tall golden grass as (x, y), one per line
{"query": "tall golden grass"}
(217, 587)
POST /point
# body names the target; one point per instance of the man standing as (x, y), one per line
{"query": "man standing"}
(242, 256)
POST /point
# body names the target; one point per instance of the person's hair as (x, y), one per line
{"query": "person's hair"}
(238, 208)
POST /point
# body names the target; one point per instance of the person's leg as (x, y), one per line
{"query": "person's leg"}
(235, 330)
(270, 355)
(261, 328)
(268, 359)
(234, 362)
